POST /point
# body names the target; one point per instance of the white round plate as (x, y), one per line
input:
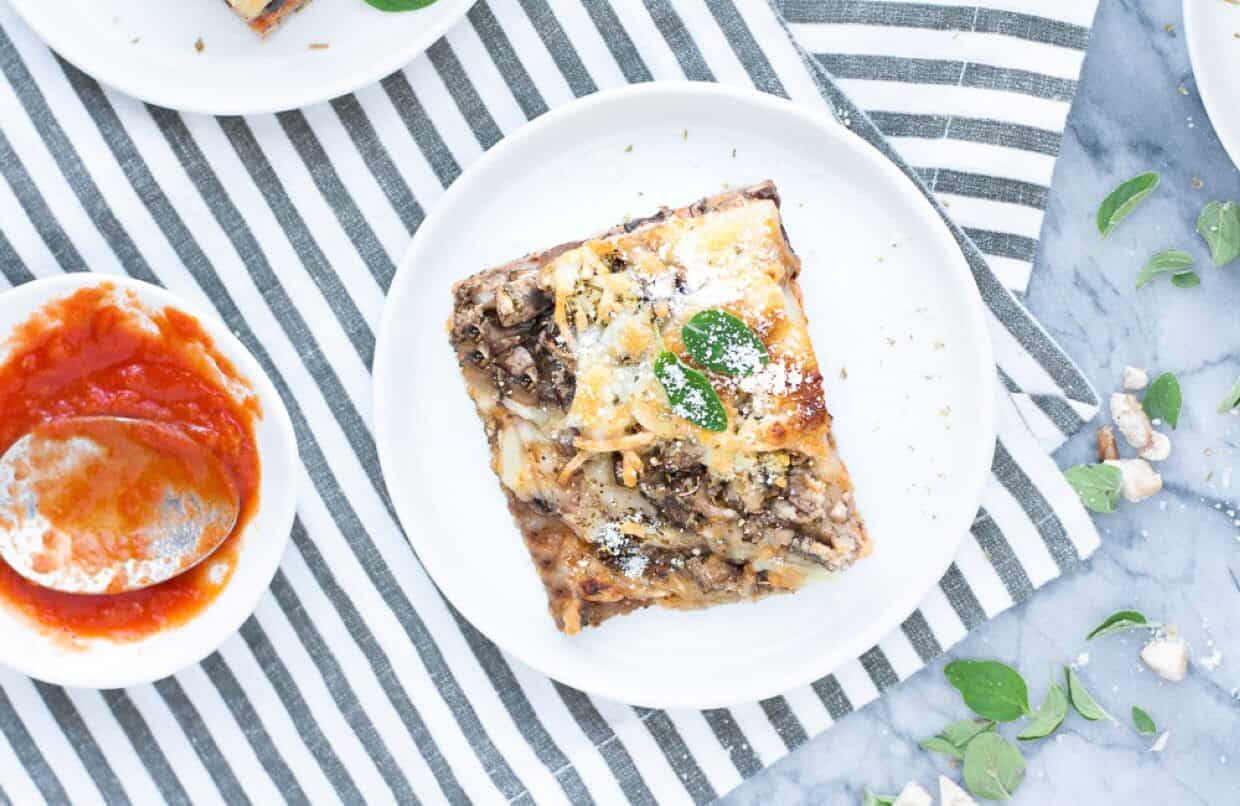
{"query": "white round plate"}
(890, 299)
(106, 664)
(146, 48)
(1210, 29)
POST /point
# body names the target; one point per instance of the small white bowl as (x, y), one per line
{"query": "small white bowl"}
(100, 663)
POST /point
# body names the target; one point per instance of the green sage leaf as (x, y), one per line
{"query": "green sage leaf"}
(1219, 225)
(1119, 622)
(1142, 722)
(1163, 399)
(690, 394)
(1186, 279)
(1082, 700)
(992, 767)
(1232, 400)
(1168, 260)
(1050, 716)
(1123, 200)
(991, 689)
(722, 342)
(1098, 486)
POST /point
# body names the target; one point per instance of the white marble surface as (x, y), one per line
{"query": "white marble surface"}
(1169, 556)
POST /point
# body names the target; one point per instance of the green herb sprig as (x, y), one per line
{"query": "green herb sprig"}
(992, 767)
(991, 689)
(1049, 717)
(1219, 225)
(1169, 261)
(1120, 203)
(1121, 621)
(955, 737)
(1098, 486)
(690, 393)
(1082, 700)
(720, 342)
(1143, 722)
(1164, 399)
(1231, 400)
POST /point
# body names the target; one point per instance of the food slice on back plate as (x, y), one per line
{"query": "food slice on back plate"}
(264, 16)
(655, 413)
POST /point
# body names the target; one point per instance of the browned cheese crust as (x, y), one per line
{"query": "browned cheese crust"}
(622, 503)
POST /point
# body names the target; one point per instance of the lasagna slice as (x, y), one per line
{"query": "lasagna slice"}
(626, 493)
(264, 16)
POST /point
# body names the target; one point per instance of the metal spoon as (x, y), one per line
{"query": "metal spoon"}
(110, 504)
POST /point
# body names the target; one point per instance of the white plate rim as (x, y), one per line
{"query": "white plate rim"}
(274, 411)
(382, 68)
(386, 355)
(1225, 128)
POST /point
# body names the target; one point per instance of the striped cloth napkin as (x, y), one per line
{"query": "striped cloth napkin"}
(354, 680)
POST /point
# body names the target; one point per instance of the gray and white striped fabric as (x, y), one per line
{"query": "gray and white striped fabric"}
(355, 681)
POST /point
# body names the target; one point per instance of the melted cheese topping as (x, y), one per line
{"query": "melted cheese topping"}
(619, 301)
(622, 299)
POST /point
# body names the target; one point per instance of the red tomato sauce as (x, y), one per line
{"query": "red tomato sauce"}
(86, 355)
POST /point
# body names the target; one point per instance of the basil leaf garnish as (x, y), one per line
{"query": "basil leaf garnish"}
(722, 342)
(1049, 717)
(689, 392)
(1163, 399)
(991, 689)
(1232, 400)
(400, 5)
(1219, 224)
(1142, 722)
(1098, 486)
(1082, 700)
(1119, 622)
(1168, 260)
(1123, 200)
(992, 767)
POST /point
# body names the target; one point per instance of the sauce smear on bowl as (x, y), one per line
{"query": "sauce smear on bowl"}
(96, 353)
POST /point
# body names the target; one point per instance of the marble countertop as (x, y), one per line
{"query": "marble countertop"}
(1169, 556)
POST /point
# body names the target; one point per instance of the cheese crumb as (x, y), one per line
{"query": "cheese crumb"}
(950, 793)
(1135, 378)
(913, 795)
(1167, 657)
(1140, 481)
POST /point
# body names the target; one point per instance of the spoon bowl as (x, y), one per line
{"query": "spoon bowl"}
(107, 505)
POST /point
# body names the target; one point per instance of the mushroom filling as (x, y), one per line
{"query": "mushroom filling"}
(503, 326)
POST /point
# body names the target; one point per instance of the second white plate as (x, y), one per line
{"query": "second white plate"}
(1210, 29)
(148, 49)
(892, 306)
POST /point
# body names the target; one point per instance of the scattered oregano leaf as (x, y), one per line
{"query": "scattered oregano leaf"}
(1098, 486)
(1050, 716)
(991, 689)
(1082, 700)
(1123, 200)
(992, 767)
